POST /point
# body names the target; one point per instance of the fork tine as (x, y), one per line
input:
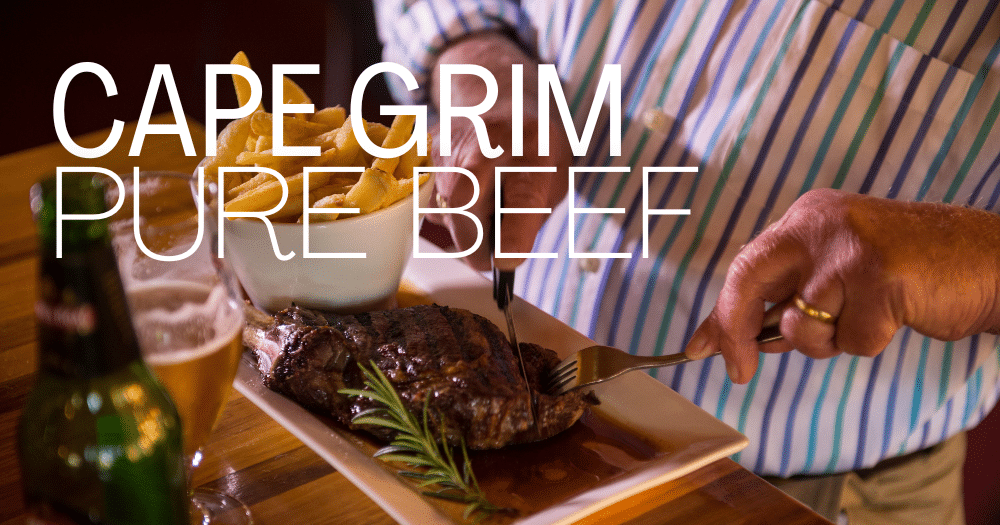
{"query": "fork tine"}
(549, 385)
(556, 374)
(561, 375)
(557, 382)
(559, 387)
(561, 371)
(568, 363)
(596, 364)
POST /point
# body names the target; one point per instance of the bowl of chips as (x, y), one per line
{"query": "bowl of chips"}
(309, 250)
(334, 275)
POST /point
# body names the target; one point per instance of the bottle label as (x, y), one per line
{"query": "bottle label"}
(78, 318)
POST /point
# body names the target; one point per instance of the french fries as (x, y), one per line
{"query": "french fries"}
(249, 142)
(241, 84)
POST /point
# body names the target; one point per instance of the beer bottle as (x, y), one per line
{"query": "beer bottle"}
(99, 440)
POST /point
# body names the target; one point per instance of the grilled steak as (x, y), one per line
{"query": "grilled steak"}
(459, 360)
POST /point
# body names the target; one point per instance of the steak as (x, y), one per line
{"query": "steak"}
(460, 363)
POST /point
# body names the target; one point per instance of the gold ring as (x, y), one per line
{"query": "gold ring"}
(439, 199)
(812, 311)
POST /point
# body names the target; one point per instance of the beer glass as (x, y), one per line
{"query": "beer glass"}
(186, 309)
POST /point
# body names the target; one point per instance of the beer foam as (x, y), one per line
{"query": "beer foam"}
(137, 268)
(180, 321)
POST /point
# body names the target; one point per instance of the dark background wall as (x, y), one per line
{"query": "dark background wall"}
(40, 40)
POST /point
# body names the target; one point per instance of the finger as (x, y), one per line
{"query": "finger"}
(766, 270)
(518, 230)
(710, 337)
(437, 201)
(517, 236)
(865, 327)
(707, 339)
(741, 356)
(457, 190)
(803, 329)
(772, 317)
(702, 343)
(739, 352)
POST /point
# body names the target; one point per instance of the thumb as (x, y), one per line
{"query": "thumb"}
(517, 236)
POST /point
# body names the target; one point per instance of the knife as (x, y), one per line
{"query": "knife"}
(503, 294)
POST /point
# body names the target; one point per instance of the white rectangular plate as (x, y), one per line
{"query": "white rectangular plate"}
(691, 437)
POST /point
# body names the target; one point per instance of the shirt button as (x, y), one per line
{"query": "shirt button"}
(589, 264)
(656, 120)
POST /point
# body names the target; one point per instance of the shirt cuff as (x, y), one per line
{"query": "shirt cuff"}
(415, 37)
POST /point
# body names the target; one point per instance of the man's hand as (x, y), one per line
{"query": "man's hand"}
(875, 264)
(496, 53)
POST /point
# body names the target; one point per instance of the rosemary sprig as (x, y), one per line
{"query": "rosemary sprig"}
(416, 445)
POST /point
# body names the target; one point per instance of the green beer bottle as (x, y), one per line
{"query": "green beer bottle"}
(99, 439)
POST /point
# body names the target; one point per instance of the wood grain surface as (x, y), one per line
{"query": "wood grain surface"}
(252, 457)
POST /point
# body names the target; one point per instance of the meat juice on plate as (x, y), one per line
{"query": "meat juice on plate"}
(535, 476)
(190, 337)
(539, 475)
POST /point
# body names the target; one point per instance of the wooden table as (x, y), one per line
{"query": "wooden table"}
(250, 456)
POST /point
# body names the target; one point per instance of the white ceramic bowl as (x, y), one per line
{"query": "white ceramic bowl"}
(344, 285)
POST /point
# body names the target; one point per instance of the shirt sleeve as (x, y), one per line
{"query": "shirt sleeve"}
(415, 32)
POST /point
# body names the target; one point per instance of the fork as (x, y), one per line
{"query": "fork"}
(596, 364)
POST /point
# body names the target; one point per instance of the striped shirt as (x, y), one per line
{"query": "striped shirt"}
(768, 99)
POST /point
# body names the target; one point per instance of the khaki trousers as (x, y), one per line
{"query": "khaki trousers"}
(921, 488)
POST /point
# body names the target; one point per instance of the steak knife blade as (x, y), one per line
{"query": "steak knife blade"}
(503, 294)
